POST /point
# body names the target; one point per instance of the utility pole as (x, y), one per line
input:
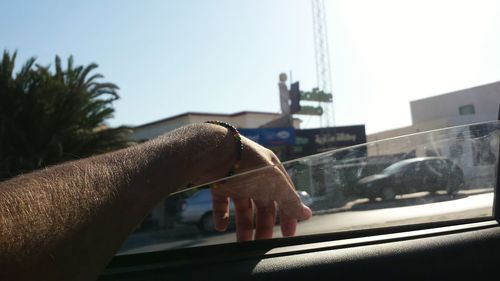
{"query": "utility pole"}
(323, 73)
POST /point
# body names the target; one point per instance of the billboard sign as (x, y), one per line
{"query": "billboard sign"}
(270, 136)
(312, 141)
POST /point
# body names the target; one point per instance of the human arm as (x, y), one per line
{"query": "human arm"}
(66, 222)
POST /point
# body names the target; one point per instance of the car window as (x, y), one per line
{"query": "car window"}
(200, 195)
(396, 167)
(343, 198)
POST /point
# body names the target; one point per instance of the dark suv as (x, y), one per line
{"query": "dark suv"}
(413, 175)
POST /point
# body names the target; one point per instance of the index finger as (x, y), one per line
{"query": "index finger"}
(220, 210)
(288, 200)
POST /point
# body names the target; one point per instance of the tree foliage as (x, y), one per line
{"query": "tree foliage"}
(50, 116)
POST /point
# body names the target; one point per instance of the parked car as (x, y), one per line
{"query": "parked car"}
(413, 175)
(197, 209)
(305, 197)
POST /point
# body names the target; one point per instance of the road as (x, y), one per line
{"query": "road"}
(360, 214)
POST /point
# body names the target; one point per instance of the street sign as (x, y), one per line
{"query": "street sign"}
(310, 110)
(316, 95)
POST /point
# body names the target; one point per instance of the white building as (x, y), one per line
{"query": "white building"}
(473, 105)
(468, 106)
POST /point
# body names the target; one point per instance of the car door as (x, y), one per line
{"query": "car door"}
(428, 175)
(438, 175)
(411, 178)
(416, 237)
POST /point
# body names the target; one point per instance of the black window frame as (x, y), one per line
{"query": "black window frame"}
(496, 201)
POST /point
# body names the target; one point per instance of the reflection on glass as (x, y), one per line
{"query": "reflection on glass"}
(440, 175)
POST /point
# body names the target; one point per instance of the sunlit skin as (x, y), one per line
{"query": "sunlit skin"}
(67, 221)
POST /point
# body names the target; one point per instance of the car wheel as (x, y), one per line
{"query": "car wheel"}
(453, 186)
(206, 223)
(388, 194)
(433, 191)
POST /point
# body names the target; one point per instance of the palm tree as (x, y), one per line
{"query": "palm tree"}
(47, 117)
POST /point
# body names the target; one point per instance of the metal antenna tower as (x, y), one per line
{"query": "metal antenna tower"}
(323, 74)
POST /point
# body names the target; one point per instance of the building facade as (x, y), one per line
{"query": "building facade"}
(470, 146)
(473, 105)
(242, 119)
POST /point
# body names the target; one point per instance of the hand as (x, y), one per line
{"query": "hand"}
(267, 190)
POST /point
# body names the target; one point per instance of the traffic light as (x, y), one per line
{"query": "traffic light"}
(294, 97)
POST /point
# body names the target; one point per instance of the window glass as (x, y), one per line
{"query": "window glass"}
(360, 187)
(467, 110)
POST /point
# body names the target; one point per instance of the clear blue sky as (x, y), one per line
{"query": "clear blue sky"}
(225, 56)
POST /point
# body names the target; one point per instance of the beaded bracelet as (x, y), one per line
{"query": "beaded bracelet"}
(239, 145)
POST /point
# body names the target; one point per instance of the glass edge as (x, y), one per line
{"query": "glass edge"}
(317, 155)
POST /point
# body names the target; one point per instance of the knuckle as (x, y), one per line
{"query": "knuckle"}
(267, 208)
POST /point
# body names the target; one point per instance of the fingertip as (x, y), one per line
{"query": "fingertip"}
(306, 212)
(221, 223)
(288, 233)
(288, 226)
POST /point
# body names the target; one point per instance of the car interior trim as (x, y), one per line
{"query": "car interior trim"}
(272, 248)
